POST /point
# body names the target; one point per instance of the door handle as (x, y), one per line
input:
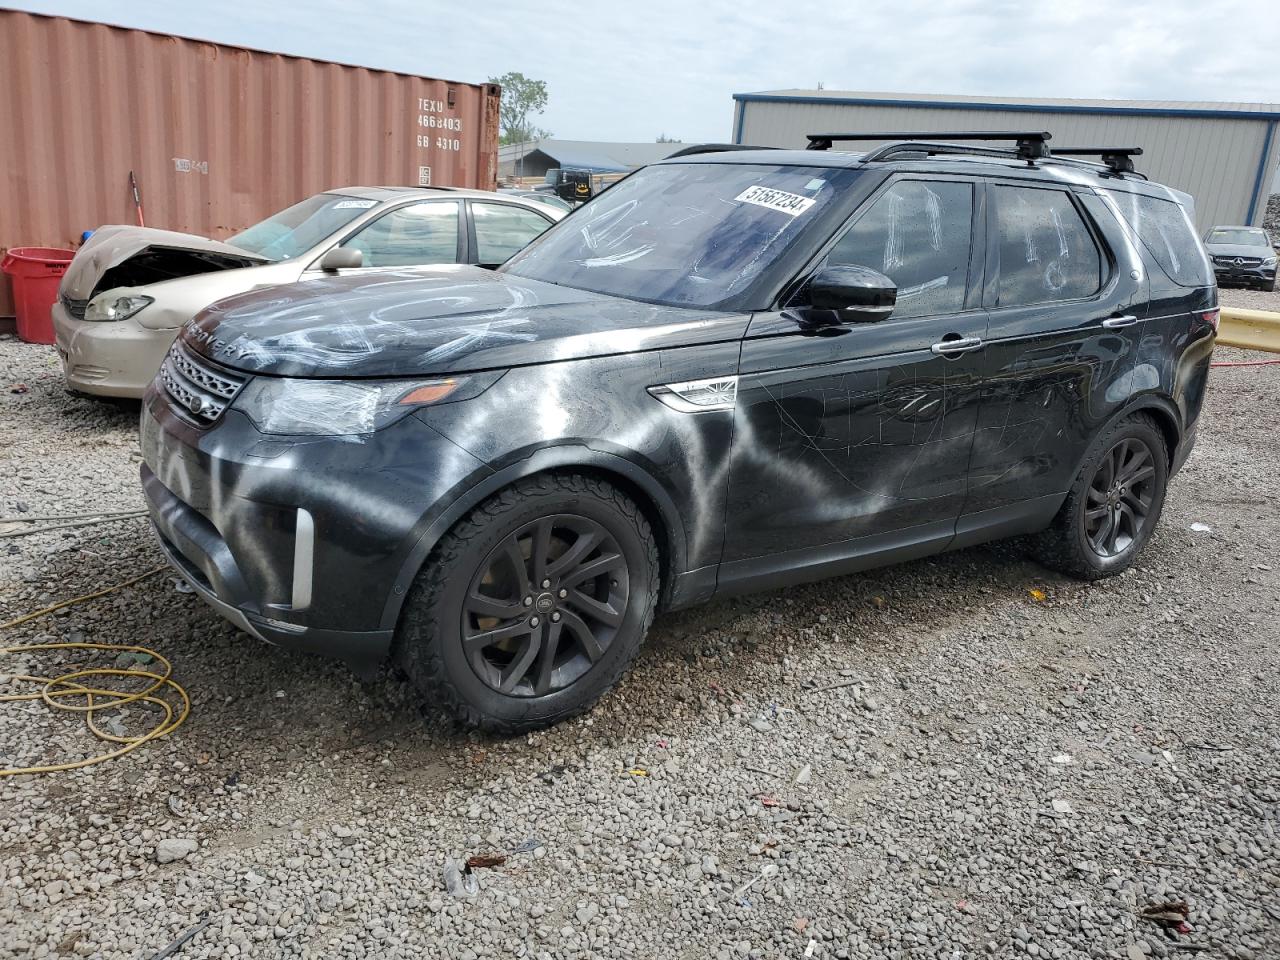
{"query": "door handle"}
(947, 348)
(1116, 323)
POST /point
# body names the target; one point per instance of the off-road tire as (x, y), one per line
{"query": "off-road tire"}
(428, 643)
(1064, 546)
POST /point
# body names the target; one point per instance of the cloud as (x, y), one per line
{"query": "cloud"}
(631, 71)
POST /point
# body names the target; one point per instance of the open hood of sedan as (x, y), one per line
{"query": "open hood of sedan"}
(125, 256)
(438, 320)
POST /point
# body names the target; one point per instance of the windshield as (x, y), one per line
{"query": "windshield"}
(683, 234)
(300, 227)
(1249, 238)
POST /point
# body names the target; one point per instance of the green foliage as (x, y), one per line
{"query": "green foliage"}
(520, 98)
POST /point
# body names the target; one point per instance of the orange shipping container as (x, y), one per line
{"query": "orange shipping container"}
(217, 136)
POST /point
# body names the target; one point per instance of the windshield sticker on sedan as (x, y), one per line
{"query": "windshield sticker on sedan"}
(789, 203)
(354, 204)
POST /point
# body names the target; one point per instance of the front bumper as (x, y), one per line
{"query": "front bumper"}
(108, 359)
(1247, 275)
(298, 541)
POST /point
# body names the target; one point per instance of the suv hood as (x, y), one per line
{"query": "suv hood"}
(438, 320)
(1238, 250)
(124, 256)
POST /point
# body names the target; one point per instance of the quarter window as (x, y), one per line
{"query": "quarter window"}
(1164, 227)
(409, 236)
(1046, 251)
(503, 230)
(918, 234)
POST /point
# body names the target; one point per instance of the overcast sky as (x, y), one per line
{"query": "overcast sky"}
(632, 71)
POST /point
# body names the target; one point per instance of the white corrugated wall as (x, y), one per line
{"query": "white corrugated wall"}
(1213, 159)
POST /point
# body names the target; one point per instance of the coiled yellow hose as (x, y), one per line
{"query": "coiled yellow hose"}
(66, 693)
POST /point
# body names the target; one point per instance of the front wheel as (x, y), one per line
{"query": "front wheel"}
(533, 605)
(1114, 503)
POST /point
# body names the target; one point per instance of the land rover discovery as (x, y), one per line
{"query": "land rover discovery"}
(733, 370)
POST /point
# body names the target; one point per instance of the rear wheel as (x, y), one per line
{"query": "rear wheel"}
(1113, 506)
(533, 605)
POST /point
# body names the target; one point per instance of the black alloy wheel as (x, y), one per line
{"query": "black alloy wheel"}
(1113, 505)
(545, 605)
(1119, 498)
(533, 605)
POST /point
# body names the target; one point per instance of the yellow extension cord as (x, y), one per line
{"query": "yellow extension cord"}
(56, 691)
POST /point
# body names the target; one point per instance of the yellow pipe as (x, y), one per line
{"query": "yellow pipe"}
(1250, 329)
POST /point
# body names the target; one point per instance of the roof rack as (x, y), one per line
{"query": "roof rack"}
(697, 148)
(1029, 145)
(1119, 160)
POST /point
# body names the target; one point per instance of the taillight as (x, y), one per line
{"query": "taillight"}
(1212, 317)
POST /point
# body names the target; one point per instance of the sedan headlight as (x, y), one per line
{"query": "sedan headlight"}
(110, 307)
(1269, 262)
(345, 407)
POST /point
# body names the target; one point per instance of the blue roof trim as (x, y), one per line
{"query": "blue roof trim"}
(1262, 173)
(1012, 107)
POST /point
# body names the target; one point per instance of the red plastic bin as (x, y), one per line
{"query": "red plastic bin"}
(36, 272)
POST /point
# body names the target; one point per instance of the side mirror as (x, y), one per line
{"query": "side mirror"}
(854, 294)
(341, 258)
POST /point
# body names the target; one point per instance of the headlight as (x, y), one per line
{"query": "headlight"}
(108, 307)
(344, 407)
(1269, 262)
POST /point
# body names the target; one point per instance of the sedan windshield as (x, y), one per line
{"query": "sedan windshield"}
(300, 227)
(693, 234)
(1249, 238)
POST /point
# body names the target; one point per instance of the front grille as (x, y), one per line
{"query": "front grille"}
(1232, 261)
(195, 388)
(75, 307)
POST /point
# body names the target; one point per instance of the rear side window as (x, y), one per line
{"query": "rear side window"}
(1165, 230)
(503, 230)
(917, 233)
(1046, 251)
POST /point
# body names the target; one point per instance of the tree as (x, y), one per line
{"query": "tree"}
(663, 138)
(520, 97)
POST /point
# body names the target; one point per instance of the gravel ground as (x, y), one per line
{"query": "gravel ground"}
(960, 757)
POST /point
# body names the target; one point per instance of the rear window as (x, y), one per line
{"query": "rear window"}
(1165, 230)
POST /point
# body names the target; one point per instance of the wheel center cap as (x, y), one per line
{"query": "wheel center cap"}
(545, 603)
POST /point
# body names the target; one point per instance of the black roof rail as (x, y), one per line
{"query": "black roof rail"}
(697, 148)
(920, 149)
(1119, 160)
(1030, 145)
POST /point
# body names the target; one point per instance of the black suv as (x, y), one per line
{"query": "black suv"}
(731, 371)
(1242, 255)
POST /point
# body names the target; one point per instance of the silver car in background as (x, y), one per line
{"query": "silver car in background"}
(129, 290)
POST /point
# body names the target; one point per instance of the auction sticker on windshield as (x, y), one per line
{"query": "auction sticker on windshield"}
(789, 203)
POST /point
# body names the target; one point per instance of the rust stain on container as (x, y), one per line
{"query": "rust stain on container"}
(218, 136)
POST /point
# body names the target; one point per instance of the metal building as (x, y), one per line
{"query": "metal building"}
(1223, 154)
(533, 158)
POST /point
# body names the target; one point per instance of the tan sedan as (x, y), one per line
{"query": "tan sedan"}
(129, 290)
